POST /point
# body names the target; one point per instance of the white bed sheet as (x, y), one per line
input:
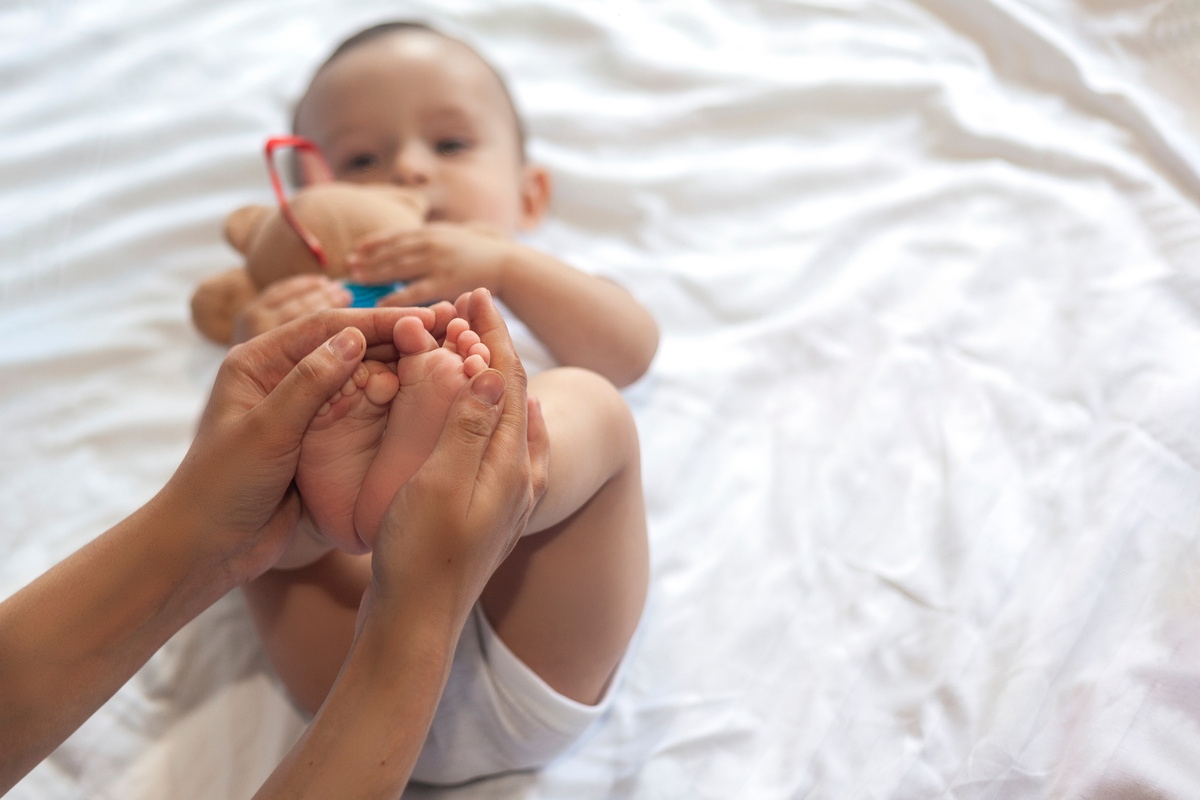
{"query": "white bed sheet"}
(921, 442)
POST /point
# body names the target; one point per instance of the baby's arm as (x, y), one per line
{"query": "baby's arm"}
(585, 321)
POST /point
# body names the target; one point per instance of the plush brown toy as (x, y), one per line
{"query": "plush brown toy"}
(337, 215)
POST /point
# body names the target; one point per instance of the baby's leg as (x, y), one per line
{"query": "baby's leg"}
(430, 377)
(569, 597)
(337, 449)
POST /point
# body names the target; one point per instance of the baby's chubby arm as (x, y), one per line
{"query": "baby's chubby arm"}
(584, 320)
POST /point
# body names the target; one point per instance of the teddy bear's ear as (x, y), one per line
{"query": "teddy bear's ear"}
(241, 224)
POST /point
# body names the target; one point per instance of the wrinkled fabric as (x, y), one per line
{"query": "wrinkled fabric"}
(921, 443)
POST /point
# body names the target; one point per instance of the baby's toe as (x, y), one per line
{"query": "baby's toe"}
(465, 341)
(410, 337)
(473, 365)
(381, 385)
(361, 373)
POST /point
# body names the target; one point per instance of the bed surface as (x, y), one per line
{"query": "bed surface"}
(921, 441)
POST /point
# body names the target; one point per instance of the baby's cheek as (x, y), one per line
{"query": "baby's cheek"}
(493, 204)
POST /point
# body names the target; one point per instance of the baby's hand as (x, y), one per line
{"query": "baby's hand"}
(286, 300)
(439, 261)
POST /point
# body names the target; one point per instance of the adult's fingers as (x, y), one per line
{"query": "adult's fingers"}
(538, 439)
(486, 321)
(295, 401)
(271, 356)
(470, 422)
(443, 312)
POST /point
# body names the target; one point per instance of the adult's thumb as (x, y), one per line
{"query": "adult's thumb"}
(295, 401)
(470, 423)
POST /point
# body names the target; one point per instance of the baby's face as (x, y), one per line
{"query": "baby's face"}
(418, 110)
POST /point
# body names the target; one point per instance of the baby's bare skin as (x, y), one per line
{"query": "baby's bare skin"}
(430, 376)
(338, 448)
(380, 428)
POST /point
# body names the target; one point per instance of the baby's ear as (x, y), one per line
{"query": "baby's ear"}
(241, 225)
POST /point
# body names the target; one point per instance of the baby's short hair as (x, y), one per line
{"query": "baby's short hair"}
(405, 26)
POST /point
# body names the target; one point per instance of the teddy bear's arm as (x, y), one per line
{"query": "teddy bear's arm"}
(218, 301)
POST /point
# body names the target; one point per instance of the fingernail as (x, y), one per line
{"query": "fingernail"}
(488, 386)
(346, 345)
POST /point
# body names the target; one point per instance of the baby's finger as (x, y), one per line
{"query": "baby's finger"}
(369, 244)
(416, 293)
(280, 292)
(388, 264)
(297, 306)
(331, 295)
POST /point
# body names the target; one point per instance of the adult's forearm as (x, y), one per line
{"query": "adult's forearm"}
(365, 739)
(75, 635)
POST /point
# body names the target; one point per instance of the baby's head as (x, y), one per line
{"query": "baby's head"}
(401, 103)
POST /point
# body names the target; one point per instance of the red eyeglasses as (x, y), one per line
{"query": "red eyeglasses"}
(312, 168)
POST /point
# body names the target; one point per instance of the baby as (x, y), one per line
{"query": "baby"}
(403, 104)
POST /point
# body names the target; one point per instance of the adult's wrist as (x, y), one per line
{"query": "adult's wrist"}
(203, 555)
(390, 621)
(196, 518)
(375, 719)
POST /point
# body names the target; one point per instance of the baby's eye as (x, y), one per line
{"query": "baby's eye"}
(362, 162)
(450, 147)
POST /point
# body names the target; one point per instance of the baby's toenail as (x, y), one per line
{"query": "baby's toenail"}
(348, 388)
(323, 409)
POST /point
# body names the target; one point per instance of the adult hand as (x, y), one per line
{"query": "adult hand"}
(445, 532)
(287, 300)
(73, 636)
(438, 261)
(460, 515)
(236, 478)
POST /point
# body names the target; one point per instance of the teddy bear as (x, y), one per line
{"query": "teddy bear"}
(336, 215)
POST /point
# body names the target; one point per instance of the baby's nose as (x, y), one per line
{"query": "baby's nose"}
(411, 167)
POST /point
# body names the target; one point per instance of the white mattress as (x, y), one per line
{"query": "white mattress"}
(921, 442)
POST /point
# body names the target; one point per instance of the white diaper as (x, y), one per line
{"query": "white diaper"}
(496, 715)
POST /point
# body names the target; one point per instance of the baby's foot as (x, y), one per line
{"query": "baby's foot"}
(338, 448)
(430, 377)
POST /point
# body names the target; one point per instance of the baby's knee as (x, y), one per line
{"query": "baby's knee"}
(597, 403)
